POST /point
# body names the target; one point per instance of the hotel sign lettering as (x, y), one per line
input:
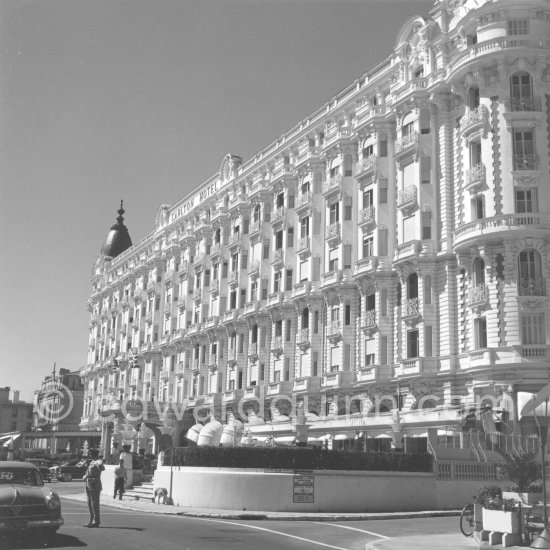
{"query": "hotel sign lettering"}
(303, 486)
(195, 201)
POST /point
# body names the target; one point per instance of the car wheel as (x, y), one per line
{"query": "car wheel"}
(67, 477)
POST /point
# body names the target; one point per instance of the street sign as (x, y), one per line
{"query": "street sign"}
(303, 486)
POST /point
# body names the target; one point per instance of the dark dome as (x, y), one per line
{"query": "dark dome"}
(118, 239)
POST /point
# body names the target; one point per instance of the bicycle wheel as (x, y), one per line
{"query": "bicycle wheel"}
(467, 522)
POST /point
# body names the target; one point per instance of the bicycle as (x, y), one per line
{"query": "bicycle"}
(467, 521)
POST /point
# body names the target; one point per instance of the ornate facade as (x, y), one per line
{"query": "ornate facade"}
(383, 262)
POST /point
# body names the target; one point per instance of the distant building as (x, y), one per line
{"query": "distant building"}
(15, 415)
(383, 264)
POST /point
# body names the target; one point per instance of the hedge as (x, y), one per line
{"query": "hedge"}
(296, 458)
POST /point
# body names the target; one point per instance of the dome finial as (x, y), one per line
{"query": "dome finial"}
(121, 211)
(118, 239)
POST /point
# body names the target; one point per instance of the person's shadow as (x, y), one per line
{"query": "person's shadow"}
(60, 540)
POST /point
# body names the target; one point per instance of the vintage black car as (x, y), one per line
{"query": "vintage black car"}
(73, 469)
(26, 505)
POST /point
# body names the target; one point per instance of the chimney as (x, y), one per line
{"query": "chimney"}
(16, 396)
(5, 394)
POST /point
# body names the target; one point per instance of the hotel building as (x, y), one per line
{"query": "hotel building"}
(380, 266)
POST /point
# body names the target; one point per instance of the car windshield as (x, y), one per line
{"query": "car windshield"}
(21, 476)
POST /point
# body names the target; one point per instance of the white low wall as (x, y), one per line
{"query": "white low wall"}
(259, 490)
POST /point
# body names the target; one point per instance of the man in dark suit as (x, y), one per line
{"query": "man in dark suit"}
(93, 488)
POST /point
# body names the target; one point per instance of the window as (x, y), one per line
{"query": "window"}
(288, 281)
(532, 329)
(412, 286)
(305, 318)
(290, 237)
(368, 199)
(347, 314)
(521, 92)
(530, 273)
(368, 246)
(524, 151)
(333, 259)
(418, 73)
(316, 322)
(368, 151)
(426, 225)
(288, 329)
(278, 328)
(479, 271)
(383, 148)
(518, 26)
(526, 201)
(256, 216)
(280, 200)
(279, 240)
(334, 215)
(383, 191)
(370, 300)
(412, 344)
(473, 97)
(370, 350)
(480, 330)
(304, 227)
(475, 154)
(478, 206)
(277, 281)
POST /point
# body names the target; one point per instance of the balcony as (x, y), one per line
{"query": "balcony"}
(303, 339)
(251, 308)
(167, 308)
(333, 234)
(407, 200)
(411, 311)
(304, 203)
(334, 331)
(234, 241)
(165, 340)
(526, 162)
(524, 104)
(475, 120)
(238, 200)
(478, 297)
(369, 325)
(165, 375)
(531, 287)
(215, 252)
(211, 322)
(307, 153)
(407, 251)
(333, 185)
(338, 379)
(307, 384)
(371, 373)
(231, 357)
(481, 358)
(149, 318)
(254, 269)
(194, 329)
(366, 266)
(253, 351)
(277, 346)
(331, 278)
(233, 279)
(282, 387)
(282, 170)
(304, 248)
(230, 315)
(407, 144)
(214, 288)
(335, 135)
(255, 230)
(303, 288)
(232, 396)
(366, 167)
(494, 229)
(197, 295)
(534, 351)
(367, 219)
(278, 259)
(475, 178)
(278, 216)
(417, 365)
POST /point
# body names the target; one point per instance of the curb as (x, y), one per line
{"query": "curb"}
(275, 516)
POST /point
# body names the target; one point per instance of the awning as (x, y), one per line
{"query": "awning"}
(4, 437)
(383, 436)
(341, 437)
(416, 434)
(11, 439)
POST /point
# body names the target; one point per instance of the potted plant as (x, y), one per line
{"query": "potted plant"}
(523, 470)
(501, 515)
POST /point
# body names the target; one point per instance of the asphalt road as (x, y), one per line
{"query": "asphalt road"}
(127, 530)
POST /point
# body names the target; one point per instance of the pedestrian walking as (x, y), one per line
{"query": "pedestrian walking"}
(93, 490)
(121, 476)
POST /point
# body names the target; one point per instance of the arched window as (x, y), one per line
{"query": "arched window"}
(521, 92)
(530, 281)
(217, 236)
(257, 212)
(407, 126)
(479, 271)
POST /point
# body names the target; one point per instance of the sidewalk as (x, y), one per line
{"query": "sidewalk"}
(150, 507)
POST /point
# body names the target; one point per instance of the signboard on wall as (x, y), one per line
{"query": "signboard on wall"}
(303, 486)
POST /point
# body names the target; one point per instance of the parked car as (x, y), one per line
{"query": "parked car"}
(44, 467)
(73, 469)
(26, 505)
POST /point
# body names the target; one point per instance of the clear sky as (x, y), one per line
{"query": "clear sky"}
(102, 100)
